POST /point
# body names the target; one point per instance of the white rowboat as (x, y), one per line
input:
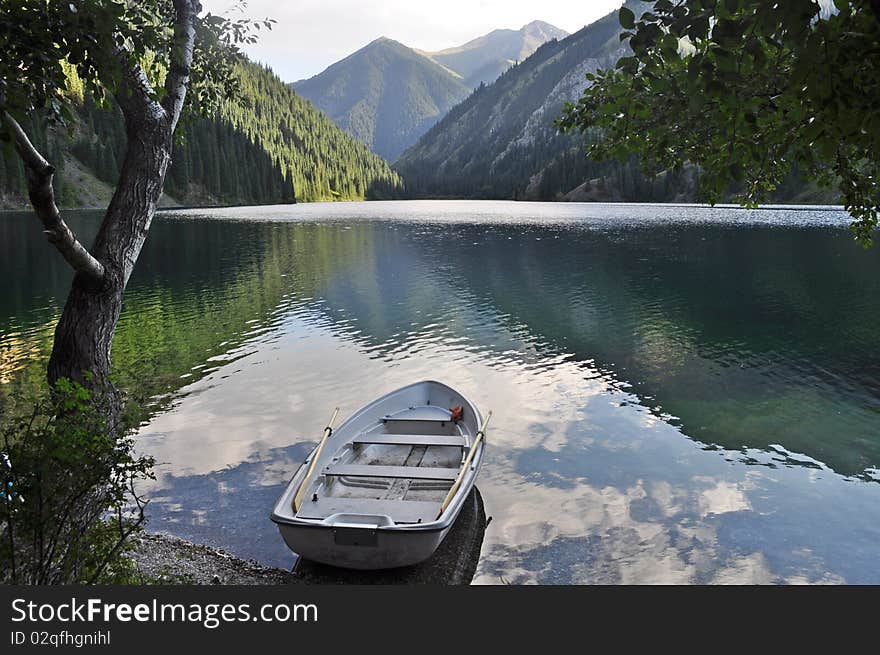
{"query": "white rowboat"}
(382, 490)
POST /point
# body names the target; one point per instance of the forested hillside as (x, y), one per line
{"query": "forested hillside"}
(201, 170)
(501, 142)
(272, 149)
(325, 163)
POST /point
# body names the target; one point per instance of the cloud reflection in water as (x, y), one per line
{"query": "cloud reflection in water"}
(681, 394)
(585, 484)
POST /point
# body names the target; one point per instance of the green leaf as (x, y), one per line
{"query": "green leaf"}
(627, 18)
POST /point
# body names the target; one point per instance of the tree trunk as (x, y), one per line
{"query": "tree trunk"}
(84, 335)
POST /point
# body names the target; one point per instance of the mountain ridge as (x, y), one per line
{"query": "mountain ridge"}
(502, 141)
(483, 59)
(387, 94)
(500, 138)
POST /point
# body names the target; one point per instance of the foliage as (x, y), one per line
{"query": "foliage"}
(61, 59)
(44, 42)
(68, 504)
(746, 90)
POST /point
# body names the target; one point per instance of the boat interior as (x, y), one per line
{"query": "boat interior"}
(396, 471)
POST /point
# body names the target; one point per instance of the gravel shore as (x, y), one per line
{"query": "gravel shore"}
(170, 560)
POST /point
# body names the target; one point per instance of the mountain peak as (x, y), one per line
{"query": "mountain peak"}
(537, 24)
(543, 29)
(486, 57)
(521, 155)
(386, 95)
(384, 41)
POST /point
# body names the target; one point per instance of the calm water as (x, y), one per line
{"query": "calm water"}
(681, 394)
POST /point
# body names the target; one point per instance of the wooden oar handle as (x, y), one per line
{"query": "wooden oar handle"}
(464, 467)
(298, 498)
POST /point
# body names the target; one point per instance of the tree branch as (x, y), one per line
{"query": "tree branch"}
(135, 93)
(39, 174)
(177, 80)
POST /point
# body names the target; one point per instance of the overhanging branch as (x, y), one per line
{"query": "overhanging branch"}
(39, 174)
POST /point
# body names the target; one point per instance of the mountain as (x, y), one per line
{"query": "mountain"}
(386, 95)
(485, 58)
(324, 162)
(276, 147)
(499, 141)
(502, 143)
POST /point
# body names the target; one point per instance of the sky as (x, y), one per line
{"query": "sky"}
(312, 34)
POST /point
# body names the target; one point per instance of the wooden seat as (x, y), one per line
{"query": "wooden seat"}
(412, 422)
(416, 419)
(400, 472)
(411, 440)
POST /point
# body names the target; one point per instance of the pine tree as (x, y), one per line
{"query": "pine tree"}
(282, 152)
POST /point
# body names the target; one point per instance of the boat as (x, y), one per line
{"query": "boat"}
(383, 489)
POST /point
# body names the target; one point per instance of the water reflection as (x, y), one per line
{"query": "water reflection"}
(677, 400)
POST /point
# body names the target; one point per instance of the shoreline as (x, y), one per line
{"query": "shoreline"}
(166, 559)
(790, 206)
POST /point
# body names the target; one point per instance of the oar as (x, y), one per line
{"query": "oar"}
(297, 500)
(465, 466)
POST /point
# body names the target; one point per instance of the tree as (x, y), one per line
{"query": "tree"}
(158, 59)
(745, 90)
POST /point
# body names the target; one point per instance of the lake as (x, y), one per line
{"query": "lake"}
(681, 394)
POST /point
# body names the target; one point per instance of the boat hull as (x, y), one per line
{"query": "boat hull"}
(361, 548)
(350, 542)
(366, 541)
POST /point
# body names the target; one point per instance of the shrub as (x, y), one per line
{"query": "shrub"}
(68, 503)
